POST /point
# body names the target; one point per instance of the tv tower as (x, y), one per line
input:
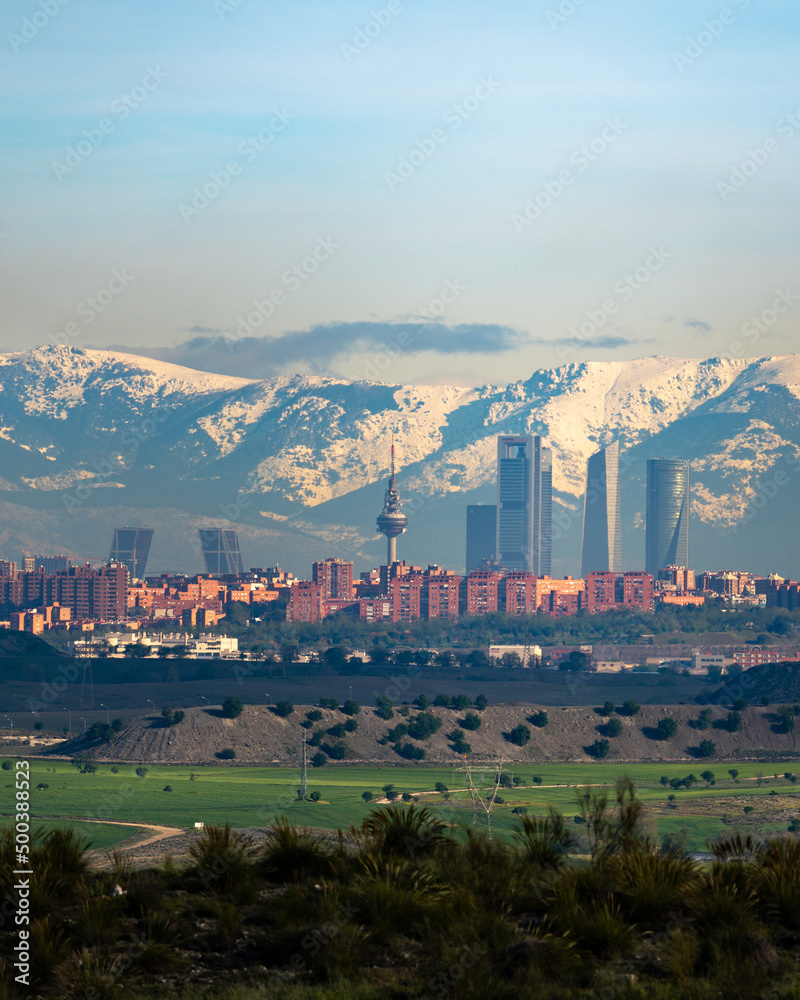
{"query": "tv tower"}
(391, 520)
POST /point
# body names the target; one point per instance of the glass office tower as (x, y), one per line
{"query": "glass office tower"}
(667, 526)
(524, 504)
(221, 551)
(601, 549)
(131, 547)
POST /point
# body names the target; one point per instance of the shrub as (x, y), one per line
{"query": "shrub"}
(319, 759)
(84, 762)
(232, 707)
(666, 729)
(707, 748)
(613, 727)
(167, 788)
(536, 780)
(331, 703)
(114, 769)
(338, 731)
(599, 749)
(315, 796)
(422, 702)
(704, 719)
(481, 702)
(42, 785)
(385, 712)
(39, 725)
(227, 754)
(367, 796)
(350, 726)
(734, 722)
(293, 853)
(440, 787)
(284, 709)
(407, 797)
(171, 718)
(423, 726)
(141, 771)
(608, 708)
(539, 719)
(740, 704)
(708, 777)
(630, 707)
(389, 792)
(519, 735)
(441, 701)
(336, 752)
(314, 715)
(398, 733)
(7, 765)
(118, 725)
(351, 707)
(410, 751)
(222, 856)
(734, 773)
(460, 745)
(460, 702)
(471, 721)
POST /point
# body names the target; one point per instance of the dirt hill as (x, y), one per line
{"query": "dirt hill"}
(780, 682)
(259, 736)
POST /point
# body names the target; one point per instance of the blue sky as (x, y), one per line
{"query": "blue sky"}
(617, 126)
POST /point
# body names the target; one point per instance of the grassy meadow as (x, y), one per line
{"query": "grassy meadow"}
(253, 796)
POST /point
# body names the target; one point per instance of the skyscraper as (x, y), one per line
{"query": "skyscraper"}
(524, 504)
(391, 520)
(602, 529)
(667, 525)
(221, 551)
(131, 547)
(481, 534)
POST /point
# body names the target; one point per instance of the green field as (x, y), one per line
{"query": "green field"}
(251, 797)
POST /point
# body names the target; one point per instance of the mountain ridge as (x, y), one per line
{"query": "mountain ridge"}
(297, 462)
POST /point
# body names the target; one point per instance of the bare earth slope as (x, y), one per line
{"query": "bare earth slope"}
(260, 737)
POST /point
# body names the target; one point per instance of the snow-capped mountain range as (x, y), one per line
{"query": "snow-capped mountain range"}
(94, 439)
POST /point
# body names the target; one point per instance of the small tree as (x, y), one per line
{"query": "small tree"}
(520, 735)
(608, 708)
(330, 703)
(599, 749)
(441, 787)
(8, 764)
(708, 777)
(613, 727)
(734, 722)
(707, 748)
(422, 702)
(227, 754)
(441, 701)
(704, 719)
(141, 771)
(84, 762)
(459, 702)
(481, 702)
(384, 707)
(471, 721)
(733, 772)
(232, 707)
(367, 796)
(284, 709)
(740, 704)
(630, 707)
(351, 707)
(389, 792)
(315, 796)
(666, 729)
(118, 724)
(539, 719)
(319, 759)
(350, 726)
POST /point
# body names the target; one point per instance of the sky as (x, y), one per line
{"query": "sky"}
(439, 192)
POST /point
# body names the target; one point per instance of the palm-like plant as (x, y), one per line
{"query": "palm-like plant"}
(545, 842)
(404, 831)
(293, 853)
(223, 857)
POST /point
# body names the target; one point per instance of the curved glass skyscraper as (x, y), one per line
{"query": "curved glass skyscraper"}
(667, 514)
